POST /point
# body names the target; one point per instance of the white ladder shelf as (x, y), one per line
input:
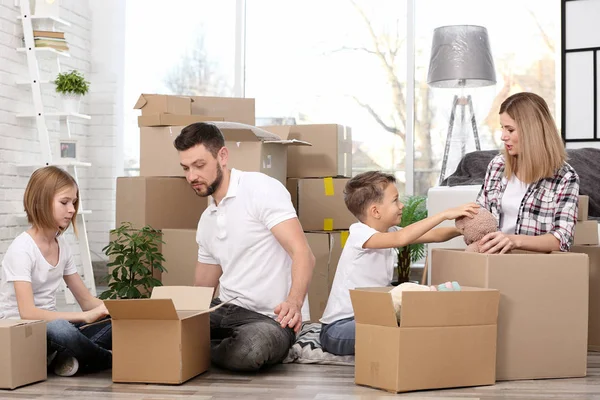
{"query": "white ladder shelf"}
(40, 116)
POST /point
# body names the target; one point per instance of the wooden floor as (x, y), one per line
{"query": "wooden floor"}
(295, 381)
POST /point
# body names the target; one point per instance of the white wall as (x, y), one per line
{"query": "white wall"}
(96, 48)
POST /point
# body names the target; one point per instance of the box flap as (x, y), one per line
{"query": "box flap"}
(7, 323)
(469, 307)
(185, 298)
(373, 306)
(234, 130)
(292, 142)
(154, 309)
(141, 102)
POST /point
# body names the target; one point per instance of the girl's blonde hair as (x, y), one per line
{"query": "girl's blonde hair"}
(542, 150)
(43, 185)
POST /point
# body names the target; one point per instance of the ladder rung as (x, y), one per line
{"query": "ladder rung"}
(52, 18)
(45, 50)
(57, 115)
(59, 163)
(82, 212)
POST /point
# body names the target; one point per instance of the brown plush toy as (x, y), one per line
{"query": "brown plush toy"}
(474, 229)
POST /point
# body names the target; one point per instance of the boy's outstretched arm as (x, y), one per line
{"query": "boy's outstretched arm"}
(439, 235)
(411, 233)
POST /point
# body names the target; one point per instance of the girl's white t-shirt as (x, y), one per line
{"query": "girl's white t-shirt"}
(24, 261)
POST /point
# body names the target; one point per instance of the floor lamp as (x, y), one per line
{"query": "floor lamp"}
(460, 58)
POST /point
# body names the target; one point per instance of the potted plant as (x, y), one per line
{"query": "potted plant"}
(135, 258)
(414, 210)
(71, 86)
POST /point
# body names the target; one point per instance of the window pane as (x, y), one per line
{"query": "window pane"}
(175, 47)
(525, 42)
(334, 61)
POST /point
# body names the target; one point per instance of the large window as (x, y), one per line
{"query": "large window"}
(335, 61)
(175, 47)
(345, 62)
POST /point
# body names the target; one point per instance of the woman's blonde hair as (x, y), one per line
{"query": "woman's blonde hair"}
(542, 150)
(43, 185)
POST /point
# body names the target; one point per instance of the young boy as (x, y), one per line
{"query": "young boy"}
(368, 256)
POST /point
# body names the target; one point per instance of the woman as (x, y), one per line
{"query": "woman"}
(530, 188)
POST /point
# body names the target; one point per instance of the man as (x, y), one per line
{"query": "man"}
(251, 242)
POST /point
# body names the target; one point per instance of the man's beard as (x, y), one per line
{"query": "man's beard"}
(212, 188)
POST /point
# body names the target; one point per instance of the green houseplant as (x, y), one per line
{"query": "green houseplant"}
(414, 210)
(71, 86)
(135, 257)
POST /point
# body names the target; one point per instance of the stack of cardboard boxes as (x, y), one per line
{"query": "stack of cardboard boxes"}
(587, 243)
(316, 177)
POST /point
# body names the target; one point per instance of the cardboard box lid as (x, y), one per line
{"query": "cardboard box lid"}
(471, 306)
(143, 99)
(165, 303)
(8, 323)
(237, 132)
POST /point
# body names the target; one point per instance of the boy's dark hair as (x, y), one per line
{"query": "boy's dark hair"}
(200, 133)
(364, 189)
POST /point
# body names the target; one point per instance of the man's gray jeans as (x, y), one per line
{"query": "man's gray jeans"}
(244, 340)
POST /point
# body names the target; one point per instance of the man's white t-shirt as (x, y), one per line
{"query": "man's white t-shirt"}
(24, 261)
(511, 203)
(358, 267)
(236, 234)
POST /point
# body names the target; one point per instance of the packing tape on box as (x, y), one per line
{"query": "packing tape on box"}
(344, 237)
(328, 224)
(28, 331)
(328, 184)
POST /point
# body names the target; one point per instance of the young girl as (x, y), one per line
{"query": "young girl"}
(33, 267)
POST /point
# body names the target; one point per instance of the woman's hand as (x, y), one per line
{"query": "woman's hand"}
(496, 242)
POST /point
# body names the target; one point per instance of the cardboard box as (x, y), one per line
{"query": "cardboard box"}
(163, 103)
(23, 350)
(233, 109)
(444, 340)
(158, 202)
(180, 251)
(320, 203)
(329, 155)
(327, 249)
(543, 317)
(164, 119)
(165, 339)
(583, 209)
(250, 149)
(586, 233)
(593, 253)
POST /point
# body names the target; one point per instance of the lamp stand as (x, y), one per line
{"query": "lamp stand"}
(461, 102)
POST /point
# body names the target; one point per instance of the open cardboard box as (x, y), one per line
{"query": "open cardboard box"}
(164, 339)
(543, 315)
(444, 340)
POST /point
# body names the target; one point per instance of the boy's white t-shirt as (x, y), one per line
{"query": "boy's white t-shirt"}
(24, 261)
(358, 267)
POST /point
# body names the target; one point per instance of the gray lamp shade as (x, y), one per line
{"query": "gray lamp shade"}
(461, 57)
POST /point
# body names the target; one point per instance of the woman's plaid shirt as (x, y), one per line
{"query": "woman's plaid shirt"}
(549, 205)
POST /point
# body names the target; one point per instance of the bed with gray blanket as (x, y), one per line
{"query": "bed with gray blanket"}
(586, 162)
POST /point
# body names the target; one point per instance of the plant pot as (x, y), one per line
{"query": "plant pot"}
(70, 102)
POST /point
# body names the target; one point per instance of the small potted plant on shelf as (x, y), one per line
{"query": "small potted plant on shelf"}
(414, 210)
(135, 261)
(71, 86)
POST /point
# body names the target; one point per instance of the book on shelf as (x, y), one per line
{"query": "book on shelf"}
(49, 34)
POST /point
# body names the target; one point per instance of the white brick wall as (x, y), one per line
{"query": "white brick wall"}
(90, 39)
